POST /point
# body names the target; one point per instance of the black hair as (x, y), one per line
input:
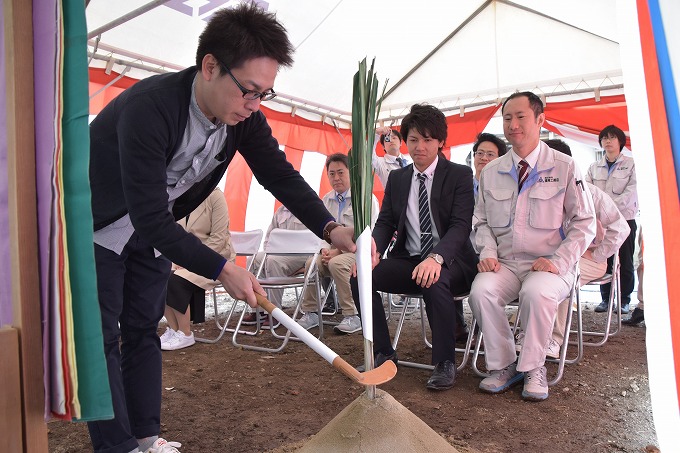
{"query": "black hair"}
(559, 145)
(486, 137)
(428, 120)
(337, 157)
(235, 35)
(616, 132)
(534, 101)
(395, 132)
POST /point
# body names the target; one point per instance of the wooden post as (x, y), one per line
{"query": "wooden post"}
(18, 29)
(10, 399)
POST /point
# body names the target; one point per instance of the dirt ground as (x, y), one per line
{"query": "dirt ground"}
(219, 398)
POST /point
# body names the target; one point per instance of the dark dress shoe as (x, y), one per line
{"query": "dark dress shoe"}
(380, 358)
(635, 318)
(443, 377)
(602, 307)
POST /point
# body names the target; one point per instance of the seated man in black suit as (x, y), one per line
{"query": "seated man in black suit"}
(429, 204)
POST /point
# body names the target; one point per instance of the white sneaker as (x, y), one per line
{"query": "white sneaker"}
(535, 385)
(349, 324)
(163, 446)
(178, 341)
(519, 339)
(169, 333)
(553, 349)
(309, 320)
(501, 380)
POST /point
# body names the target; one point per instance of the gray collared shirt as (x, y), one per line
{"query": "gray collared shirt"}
(194, 159)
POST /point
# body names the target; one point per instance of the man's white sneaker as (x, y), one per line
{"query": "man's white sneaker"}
(535, 385)
(501, 380)
(309, 320)
(553, 349)
(169, 333)
(178, 341)
(349, 324)
(163, 446)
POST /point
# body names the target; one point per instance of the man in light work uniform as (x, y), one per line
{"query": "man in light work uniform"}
(393, 159)
(333, 262)
(156, 152)
(487, 148)
(614, 174)
(525, 198)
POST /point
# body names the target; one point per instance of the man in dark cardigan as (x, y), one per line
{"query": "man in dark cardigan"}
(157, 151)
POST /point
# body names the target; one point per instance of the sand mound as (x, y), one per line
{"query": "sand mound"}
(382, 425)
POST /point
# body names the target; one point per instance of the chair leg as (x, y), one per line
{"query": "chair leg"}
(223, 327)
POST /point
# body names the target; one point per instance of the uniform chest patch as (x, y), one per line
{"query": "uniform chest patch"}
(548, 179)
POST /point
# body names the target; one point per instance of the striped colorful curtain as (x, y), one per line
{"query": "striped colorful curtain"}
(76, 381)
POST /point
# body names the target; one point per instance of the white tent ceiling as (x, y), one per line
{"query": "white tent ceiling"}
(448, 53)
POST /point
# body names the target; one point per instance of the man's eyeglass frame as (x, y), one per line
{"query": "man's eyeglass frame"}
(249, 95)
(484, 154)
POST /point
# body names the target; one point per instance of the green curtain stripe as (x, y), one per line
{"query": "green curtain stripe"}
(93, 382)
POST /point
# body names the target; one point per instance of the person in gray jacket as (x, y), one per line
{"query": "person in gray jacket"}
(614, 174)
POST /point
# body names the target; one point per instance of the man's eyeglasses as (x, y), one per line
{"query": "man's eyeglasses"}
(249, 95)
(488, 155)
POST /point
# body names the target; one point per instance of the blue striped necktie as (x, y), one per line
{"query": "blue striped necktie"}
(424, 217)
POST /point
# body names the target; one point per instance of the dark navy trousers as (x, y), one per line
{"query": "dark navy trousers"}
(393, 275)
(132, 288)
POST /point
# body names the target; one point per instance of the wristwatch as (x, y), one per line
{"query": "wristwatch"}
(438, 258)
(330, 226)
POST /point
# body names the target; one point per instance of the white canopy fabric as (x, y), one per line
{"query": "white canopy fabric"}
(451, 54)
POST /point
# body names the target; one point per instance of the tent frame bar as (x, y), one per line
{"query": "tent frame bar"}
(126, 17)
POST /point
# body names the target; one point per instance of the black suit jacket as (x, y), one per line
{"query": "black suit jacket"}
(452, 204)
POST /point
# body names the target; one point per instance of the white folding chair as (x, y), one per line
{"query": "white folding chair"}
(245, 243)
(614, 301)
(285, 243)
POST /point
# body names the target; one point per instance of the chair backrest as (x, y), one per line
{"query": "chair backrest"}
(283, 241)
(246, 243)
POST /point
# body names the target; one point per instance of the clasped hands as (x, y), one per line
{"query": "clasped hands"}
(540, 265)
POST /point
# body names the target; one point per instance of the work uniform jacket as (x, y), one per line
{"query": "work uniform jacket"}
(617, 181)
(612, 228)
(513, 227)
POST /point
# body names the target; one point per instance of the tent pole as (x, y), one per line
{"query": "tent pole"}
(122, 19)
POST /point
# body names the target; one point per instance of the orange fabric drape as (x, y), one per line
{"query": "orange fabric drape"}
(589, 115)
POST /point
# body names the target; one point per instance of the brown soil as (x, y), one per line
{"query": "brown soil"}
(218, 398)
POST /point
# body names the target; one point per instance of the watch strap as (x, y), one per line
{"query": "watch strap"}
(330, 226)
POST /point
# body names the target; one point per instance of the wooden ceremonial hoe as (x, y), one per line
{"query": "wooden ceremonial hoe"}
(376, 376)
